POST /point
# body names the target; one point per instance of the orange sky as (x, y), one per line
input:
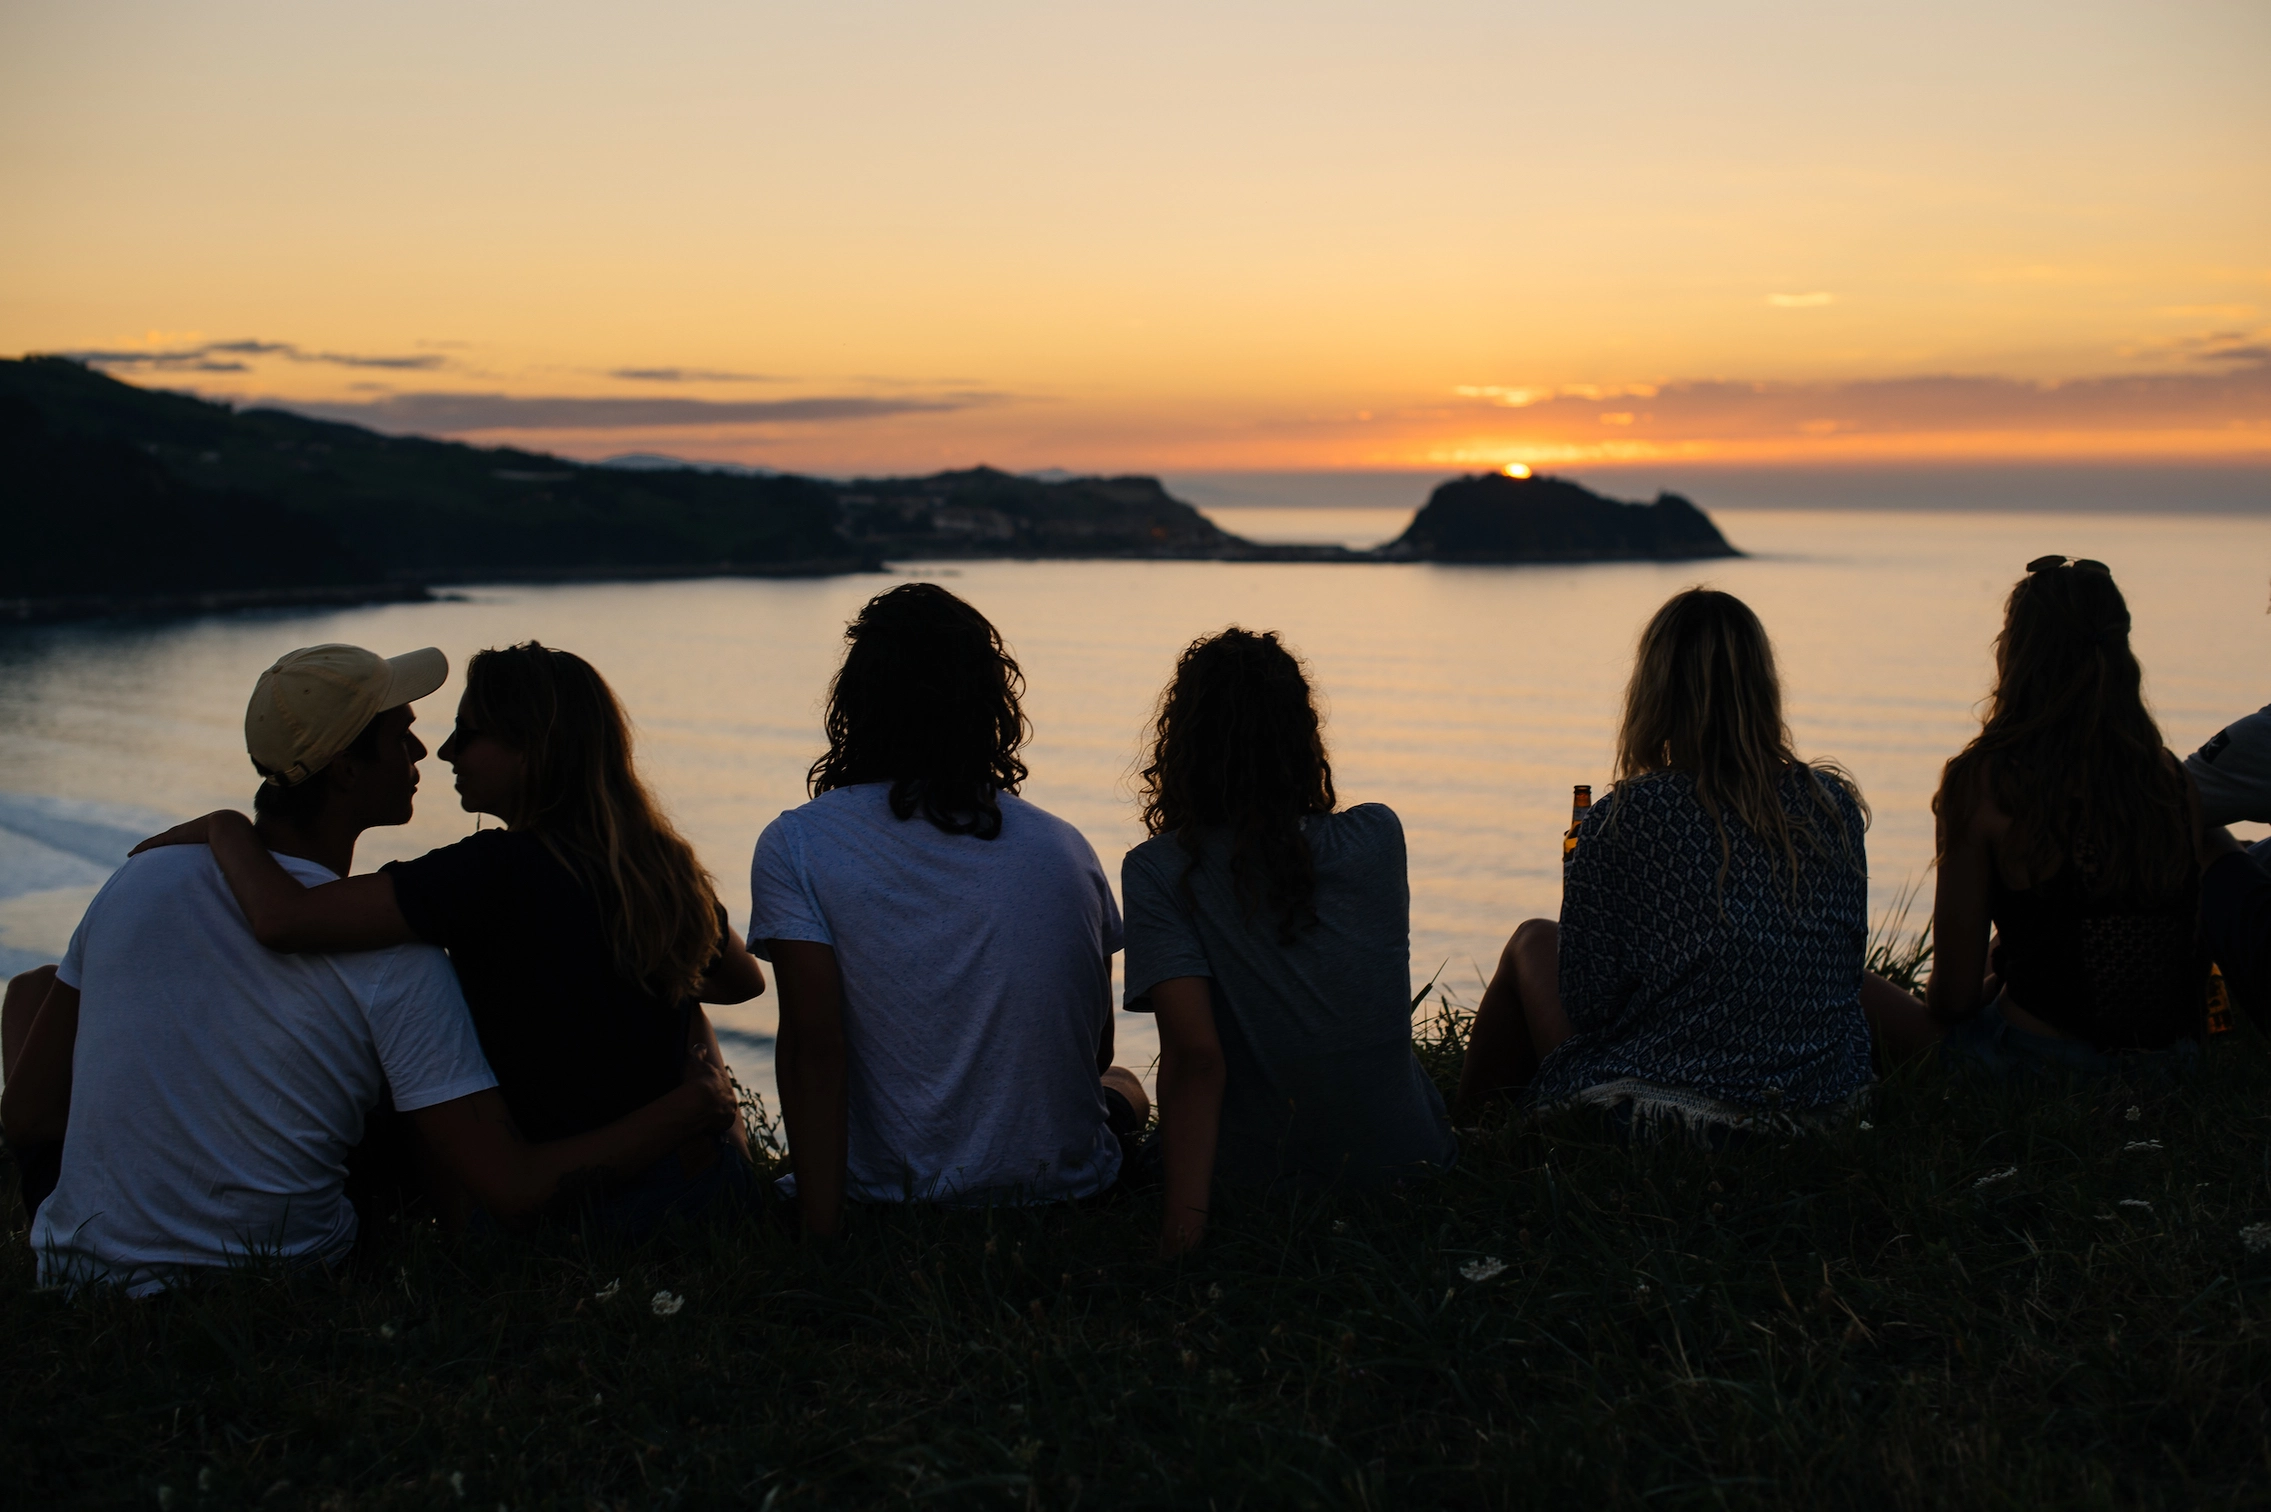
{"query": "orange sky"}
(887, 236)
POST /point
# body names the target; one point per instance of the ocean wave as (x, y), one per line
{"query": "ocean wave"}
(49, 843)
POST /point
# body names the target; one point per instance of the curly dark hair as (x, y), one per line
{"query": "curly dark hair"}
(927, 700)
(1236, 746)
(2068, 748)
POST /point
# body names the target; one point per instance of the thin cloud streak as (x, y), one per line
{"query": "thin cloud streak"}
(446, 414)
(1941, 403)
(226, 357)
(689, 375)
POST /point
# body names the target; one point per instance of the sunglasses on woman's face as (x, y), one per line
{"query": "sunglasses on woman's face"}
(2085, 564)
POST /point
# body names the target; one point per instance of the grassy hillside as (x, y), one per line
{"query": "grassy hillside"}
(1972, 1297)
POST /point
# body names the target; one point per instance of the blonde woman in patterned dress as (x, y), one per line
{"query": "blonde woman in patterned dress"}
(1707, 966)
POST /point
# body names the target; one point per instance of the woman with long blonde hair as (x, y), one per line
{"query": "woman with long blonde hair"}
(585, 933)
(1707, 965)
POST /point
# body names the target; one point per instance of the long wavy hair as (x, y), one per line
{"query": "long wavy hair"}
(928, 700)
(2068, 748)
(583, 798)
(1236, 747)
(1705, 699)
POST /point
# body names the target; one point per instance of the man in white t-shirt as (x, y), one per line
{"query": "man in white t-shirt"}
(207, 1090)
(943, 949)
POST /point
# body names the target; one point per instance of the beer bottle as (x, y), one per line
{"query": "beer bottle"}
(2219, 1002)
(1579, 802)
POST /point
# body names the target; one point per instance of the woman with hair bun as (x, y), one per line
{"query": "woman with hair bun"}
(943, 947)
(1706, 971)
(2069, 830)
(1269, 931)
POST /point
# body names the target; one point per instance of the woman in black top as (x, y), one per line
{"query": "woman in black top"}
(2068, 829)
(585, 933)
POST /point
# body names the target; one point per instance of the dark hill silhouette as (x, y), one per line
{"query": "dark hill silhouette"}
(1495, 518)
(409, 509)
(983, 512)
(86, 516)
(113, 496)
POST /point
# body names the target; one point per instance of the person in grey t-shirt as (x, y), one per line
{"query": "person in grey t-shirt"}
(1272, 937)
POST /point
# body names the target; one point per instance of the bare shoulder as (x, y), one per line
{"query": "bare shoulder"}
(1967, 805)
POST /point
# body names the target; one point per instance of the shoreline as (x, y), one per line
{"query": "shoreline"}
(68, 608)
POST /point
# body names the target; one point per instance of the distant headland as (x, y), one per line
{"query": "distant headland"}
(118, 499)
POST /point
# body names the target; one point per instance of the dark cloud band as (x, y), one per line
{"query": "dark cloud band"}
(221, 357)
(453, 414)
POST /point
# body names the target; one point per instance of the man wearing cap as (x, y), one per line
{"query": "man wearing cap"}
(213, 1088)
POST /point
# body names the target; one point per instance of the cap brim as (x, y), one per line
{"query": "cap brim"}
(413, 675)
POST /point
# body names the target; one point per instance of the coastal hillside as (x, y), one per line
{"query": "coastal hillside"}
(1496, 518)
(93, 515)
(115, 497)
(982, 512)
(350, 502)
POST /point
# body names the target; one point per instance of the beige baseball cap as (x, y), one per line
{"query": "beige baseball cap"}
(312, 704)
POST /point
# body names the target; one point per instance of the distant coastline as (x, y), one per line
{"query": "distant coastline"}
(121, 500)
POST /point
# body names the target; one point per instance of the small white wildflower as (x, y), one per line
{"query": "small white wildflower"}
(2135, 1202)
(2134, 1113)
(165, 1499)
(205, 1479)
(607, 1292)
(2140, 1144)
(1865, 1124)
(457, 1483)
(1214, 1292)
(666, 1304)
(1340, 1225)
(2105, 1217)
(1640, 1290)
(595, 1399)
(1483, 1269)
(386, 1330)
(1992, 1177)
(2256, 1237)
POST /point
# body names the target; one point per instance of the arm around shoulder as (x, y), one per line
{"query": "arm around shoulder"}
(353, 913)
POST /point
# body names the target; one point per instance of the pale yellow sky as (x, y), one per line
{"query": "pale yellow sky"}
(891, 235)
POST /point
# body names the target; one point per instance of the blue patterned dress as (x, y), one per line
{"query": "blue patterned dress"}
(1746, 994)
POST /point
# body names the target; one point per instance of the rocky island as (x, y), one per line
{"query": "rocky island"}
(1498, 518)
(115, 498)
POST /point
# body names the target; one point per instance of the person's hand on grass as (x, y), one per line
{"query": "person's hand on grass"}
(1180, 1233)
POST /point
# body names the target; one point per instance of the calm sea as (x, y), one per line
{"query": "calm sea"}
(1469, 698)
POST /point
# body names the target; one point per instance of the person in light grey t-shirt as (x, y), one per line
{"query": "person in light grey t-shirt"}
(1272, 937)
